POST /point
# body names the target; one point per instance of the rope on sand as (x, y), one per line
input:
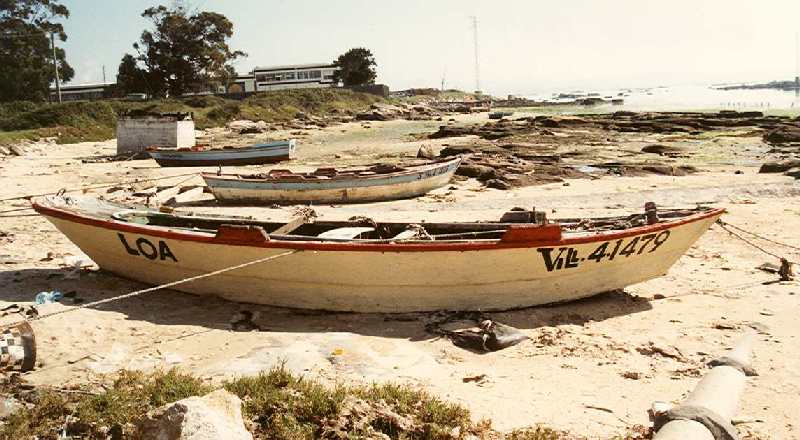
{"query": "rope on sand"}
(725, 225)
(151, 289)
(785, 270)
(105, 185)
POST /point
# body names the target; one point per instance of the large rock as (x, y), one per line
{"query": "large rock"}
(783, 135)
(426, 152)
(778, 167)
(480, 172)
(217, 415)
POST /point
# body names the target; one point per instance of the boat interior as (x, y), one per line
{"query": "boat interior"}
(304, 227)
(333, 173)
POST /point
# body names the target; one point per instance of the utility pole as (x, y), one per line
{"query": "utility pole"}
(55, 65)
(477, 67)
(104, 73)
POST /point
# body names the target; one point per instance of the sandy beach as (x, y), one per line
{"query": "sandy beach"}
(589, 367)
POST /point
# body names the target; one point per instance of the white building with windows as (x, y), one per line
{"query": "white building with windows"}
(300, 76)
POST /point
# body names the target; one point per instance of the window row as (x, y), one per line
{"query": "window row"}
(290, 76)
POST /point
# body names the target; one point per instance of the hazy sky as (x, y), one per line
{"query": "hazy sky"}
(524, 46)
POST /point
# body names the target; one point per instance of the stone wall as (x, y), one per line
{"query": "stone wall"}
(137, 133)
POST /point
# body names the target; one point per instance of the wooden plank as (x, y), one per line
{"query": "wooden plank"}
(162, 196)
(345, 232)
(291, 226)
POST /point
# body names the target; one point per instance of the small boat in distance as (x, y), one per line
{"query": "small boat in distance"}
(199, 156)
(331, 185)
(362, 265)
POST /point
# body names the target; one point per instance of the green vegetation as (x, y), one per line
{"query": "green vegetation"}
(26, 57)
(96, 120)
(356, 67)
(186, 51)
(278, 405)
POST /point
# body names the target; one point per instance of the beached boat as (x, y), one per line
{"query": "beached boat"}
(364, 266)
(329, 185)
(200, 156)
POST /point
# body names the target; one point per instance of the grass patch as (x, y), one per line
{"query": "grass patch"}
(96, 120)
(277, 404)
(283, 406)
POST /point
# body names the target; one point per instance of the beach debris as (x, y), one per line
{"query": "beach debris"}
(48, 297)
(304, 211)
(16, 150)
(487, 336)
(666, 351)
(759, 327)
(18, 348)
(724, 326)
(9, 259)
(599, 408)
(216, 415)
(479, 378)
(634, 375)
(73, 296)
(769, 267)
(242, 321)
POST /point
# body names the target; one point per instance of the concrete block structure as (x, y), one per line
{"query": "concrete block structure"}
(136, 133)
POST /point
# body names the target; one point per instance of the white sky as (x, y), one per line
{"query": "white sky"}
(525, 46)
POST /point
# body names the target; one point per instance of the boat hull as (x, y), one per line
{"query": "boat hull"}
(386, 277)
(259, 191)
(256, 155)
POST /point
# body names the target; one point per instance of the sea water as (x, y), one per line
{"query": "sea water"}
(696, 97)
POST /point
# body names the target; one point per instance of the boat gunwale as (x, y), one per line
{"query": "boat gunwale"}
(301, 177)
(40, 205)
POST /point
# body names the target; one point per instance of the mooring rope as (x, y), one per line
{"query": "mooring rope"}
(151, 289)
(105, 185)
(725, 225)
(759, 236)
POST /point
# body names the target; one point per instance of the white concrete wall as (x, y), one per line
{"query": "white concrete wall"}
(136, 134)
(263, 87)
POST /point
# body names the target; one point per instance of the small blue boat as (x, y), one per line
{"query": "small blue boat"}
(269, 152)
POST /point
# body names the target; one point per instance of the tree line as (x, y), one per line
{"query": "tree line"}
(181, 52)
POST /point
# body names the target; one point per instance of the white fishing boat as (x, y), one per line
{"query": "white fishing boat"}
(366, 266)
(330, 185)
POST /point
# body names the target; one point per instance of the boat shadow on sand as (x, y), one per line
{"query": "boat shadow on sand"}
(173, 308)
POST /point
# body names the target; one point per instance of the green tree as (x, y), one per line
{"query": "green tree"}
(131, 78)
(26, 57)
(185, 52)
(356, 67)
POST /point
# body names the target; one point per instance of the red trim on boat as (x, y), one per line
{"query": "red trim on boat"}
(163, 232)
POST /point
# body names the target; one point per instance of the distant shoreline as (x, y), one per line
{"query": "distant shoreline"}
(775, 85)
